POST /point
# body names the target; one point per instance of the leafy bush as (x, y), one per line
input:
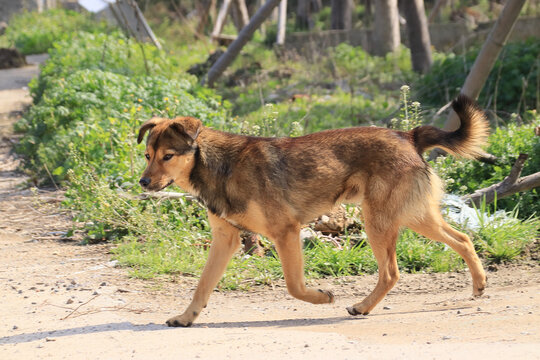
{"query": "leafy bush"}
(112, 53)
(34, 33)
(512, 85)
(98, 111)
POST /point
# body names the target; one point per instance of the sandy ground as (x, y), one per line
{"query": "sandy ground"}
(62, 300)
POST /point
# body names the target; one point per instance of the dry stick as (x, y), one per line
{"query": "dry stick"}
(50, 175)
(78, 307)
(510, 185)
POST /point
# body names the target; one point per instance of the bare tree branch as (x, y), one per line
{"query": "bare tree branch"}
(509, 186)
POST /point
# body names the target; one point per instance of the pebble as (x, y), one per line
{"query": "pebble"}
(15, 327)
(69, 301)
(387, 308)
(103, 284)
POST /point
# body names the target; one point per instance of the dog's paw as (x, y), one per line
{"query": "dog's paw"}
(330, 295)
(179, 321)
(353, 311)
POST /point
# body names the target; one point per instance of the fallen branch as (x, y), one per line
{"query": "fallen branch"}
(157, 195)
(510, 185)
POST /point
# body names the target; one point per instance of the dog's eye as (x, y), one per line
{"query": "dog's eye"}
(167, 157)
(147, 156)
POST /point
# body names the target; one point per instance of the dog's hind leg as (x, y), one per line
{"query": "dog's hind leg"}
(383, 244)
(225, 241)
(434, 227)
(289, 248)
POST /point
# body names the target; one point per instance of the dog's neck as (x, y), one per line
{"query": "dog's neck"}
(215, 158)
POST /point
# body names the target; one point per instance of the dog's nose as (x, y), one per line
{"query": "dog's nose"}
(144, 182)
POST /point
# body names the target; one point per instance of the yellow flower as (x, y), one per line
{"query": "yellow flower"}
(139, 108)
(167, 108)
(125, 110)
(165, 99)
(139, 100)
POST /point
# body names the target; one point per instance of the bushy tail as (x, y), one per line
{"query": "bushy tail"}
(465, 141)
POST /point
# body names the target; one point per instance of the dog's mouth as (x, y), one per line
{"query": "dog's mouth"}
(156, 189)
(168, 184)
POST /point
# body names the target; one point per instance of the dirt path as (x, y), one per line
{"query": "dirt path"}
(61, 300)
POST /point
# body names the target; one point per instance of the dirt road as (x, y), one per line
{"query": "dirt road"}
(62, 300)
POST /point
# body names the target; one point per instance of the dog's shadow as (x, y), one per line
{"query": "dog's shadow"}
(128, 326)
(278, 323)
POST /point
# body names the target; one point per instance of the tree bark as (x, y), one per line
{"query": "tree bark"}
(509, 186)
(488, 55)
(386, 37)
(341, 15)
(243, 37)
(419, 40)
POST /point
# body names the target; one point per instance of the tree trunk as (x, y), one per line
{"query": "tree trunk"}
(220, 21)
(240, 14)
(341, 16)
(243, 37)
(386, 37)
(417, 30)
(282, 22)
(488, 55)
(303, 15)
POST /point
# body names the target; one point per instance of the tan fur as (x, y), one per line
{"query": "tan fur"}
(272, 186)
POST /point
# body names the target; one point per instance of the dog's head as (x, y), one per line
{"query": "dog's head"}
(170, 151)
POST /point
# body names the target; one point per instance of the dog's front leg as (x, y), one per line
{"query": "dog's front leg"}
(289, 248)
(225, 241)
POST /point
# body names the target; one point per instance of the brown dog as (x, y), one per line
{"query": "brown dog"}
(272, 186)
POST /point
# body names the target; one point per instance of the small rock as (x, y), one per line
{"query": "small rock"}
(479, 309)
(103, 284)
(459, 312)
(306, 345)
(95, 293)
(49, 339)
(69, 301)
(446, 337)
(73, 282)
(385, 334)
(15, 327)
(387, 308)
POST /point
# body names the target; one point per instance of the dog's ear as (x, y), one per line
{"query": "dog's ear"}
(147, 126)
(189, 126)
